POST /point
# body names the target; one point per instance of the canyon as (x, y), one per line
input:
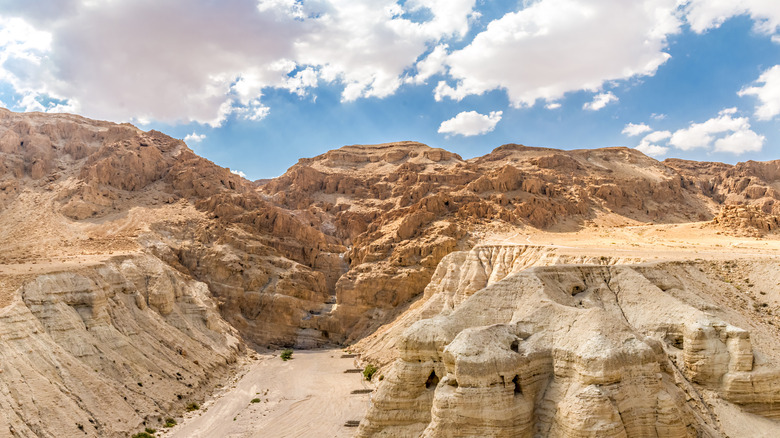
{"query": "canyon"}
(527, 292)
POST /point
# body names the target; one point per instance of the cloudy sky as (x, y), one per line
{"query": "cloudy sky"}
(256, 84)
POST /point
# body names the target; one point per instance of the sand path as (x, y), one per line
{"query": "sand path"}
(308, 396)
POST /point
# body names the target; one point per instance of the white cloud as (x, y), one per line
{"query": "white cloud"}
(768, 94)
(724, 133)
(181, 61)
(368, 45)
(238, 172)
(469, 123)
(302, 81)
(194, 138)
(649, 143)
(600, 101)
(553, 105)
(552, 47)
(652, 149)
(657, 136)
(431, 65)
(703, 15)
(740, 142)
(633, 129)
(658, 116)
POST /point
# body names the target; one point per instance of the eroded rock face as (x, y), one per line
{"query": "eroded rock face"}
(338, 247)
(270, 271)
(569, 351)
(752, 220)
(460, 275)
(104, 350)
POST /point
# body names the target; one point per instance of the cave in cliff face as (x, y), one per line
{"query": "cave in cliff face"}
(528, 292)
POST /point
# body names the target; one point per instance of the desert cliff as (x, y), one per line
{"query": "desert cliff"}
(527, 292)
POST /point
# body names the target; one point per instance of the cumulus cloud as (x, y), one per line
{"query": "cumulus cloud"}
(181, 61)
(194, 138)
(703, 15)
(238, 172)
(740, 142)
(633, 129)
(649, 143)
(431, 65)
(532, 53)
(652, 149)
(469, 123)
(600, 101)
(768, 94)
(724, 133)
(553, 105)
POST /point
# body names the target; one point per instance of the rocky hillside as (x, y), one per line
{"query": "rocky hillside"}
(119, 245)
(595, 349)
(401, 207)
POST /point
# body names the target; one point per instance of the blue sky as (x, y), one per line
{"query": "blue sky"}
(255, 85)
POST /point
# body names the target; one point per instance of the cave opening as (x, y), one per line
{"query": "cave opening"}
(518, 389)
(432, 381)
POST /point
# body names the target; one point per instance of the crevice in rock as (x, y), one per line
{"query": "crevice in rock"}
(432, 381)
(518, 388)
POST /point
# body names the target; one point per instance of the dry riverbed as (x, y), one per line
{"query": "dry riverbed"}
(309, 395)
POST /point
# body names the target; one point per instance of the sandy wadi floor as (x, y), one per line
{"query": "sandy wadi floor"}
(308, 396)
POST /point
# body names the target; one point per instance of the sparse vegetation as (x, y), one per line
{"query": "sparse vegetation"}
(368, 371)
(169, 422)
(192, 406)
(150, 431)
(255, 400)
(286, 354)
(143, 435)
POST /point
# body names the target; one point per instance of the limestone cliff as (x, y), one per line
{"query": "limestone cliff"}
(569, 351)
(105, 350)
(125, 259)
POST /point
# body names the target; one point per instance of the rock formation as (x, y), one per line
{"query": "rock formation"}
(104, 350)
(568, 351)
(125, 259)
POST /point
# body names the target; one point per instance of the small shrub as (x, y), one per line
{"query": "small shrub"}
(368, 371)
(192, 406)
(287, 354)
(143, 435)
(169, 422)
(150, 431)
(255, 400)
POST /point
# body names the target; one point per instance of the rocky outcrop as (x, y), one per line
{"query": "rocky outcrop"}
(748, 183)
(569, 351)
(401, 207)
(117, 237)
(104, 351)
(459, 275)
(751, 220)
(267, 267)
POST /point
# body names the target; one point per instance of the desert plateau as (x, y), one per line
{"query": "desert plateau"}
(527, 292)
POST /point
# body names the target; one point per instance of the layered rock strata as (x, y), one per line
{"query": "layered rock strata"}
(106, 350)
(569, 351)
